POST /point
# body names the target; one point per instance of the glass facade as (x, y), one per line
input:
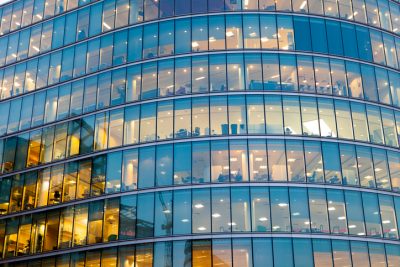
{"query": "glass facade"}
(200, 133)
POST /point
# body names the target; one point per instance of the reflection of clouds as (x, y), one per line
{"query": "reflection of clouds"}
(4, 1)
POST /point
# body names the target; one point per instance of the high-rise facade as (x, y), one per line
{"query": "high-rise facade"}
(200, 133)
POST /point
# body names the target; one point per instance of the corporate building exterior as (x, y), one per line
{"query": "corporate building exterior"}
(141, 133)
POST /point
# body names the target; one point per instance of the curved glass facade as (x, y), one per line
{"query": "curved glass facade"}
(200, 133)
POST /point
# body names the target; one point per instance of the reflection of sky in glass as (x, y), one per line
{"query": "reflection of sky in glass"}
(4, 1)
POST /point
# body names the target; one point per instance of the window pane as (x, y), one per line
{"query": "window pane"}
(280, 210)
(221, 210)
(201, 162)
(130, 170)
(201, 211)
(164, 165)
(300, 216)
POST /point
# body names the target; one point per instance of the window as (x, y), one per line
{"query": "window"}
(182, 118)
(118, 87)
(101, 87)
(291, 112)
(219, 161)
(129, 170)
(219, 120)
(122, 13)
(276, 160)
(201, 211)
(337, 212)
(106, 51)
(273, 114)
(133, 83)
(271, 73)
(349, 164)
(60, 140)
(183, 30)
(164, 165)
(288, 73)
(381, 168)
(318, 210)
(350, 40)
(371, 210)
(237, 115)
(251, 31)
(334, 34)
(377, 47)
(149, 80)
(238, 161)
(280, 212)
(217, 31)
(355, 216)
(303, 35)
(166, 40)
(98, 176)
(285, 33)
(343, 119)
(295, 161)
(127, 219)
(82, 30)
(80, 62)
(200, 74)
(80, 224)
(234, 39)
(217, 73)
(87, 131)
(95, 19)
(309, 116)
(167, 8)
(201, 162)
(108, 15)
(100, 132)
(305, 69)
(200, 117)
(269, 38)
(375, 125)
(95, 222)
(51, 232)
(182, 212)
(93, 56)
(199, 34)
(183, 84)
(163, 214)
(253, 72)
(332, 166)
(240, 213)
(388, 217)
(135, 42)
(365, 167)
(221, 210)
(394, 161)
(131, 121)
(148, 123)
(136, 11)
(300, 216)
(255, 115)
(147, 160)
(327, 117)
(113, 174)
(182, 163)
(111, 220)
(322, 76)
(389, 127)
(120, 48)
(262, 251)
(322, 252)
